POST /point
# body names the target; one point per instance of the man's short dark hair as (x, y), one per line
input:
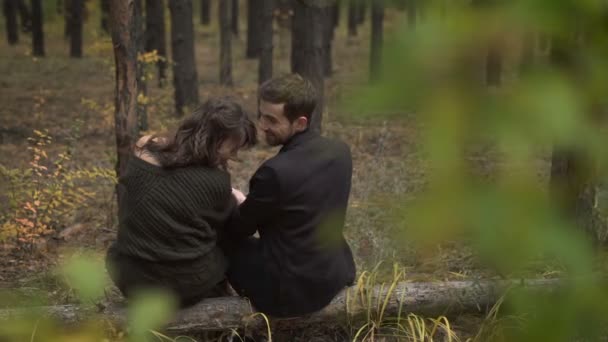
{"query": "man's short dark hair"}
(297, 93)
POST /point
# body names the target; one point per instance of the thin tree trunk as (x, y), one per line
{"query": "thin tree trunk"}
(185, 78)
(75, 20)
(376, 39)
(37, 29)
(235, 17)
(225, 18)
(493, 67)
(205, 12)
(328, 36)
(412, 13)
(361, 9)
(352, 18)
(142, 113)
(265, 20)
(307, 37)
(9, 8)
(122, 22)
(25, 15)
(66, 18)
(156, 35)
(574, 172)
(105, 9)
(335, 12)
(253, 30)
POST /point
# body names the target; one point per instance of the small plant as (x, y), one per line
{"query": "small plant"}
(379, 324)
(43, 195)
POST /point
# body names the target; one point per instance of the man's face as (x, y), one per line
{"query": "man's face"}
(275, 125)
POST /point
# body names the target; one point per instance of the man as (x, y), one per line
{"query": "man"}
(297, 202)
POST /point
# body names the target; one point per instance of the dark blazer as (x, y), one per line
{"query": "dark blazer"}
(297, 202)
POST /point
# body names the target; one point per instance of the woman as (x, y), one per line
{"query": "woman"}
(175, 198)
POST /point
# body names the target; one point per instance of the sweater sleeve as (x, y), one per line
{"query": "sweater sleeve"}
(260, 206)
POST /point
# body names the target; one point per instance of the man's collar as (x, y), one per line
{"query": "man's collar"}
(298, 139)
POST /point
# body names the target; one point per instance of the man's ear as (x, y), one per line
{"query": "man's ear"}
(301, 123)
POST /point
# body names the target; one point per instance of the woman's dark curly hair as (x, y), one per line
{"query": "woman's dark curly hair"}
(198, 138)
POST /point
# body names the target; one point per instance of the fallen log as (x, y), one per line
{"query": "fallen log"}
(427, 299)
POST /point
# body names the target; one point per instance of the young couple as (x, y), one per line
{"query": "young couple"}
(184, 229)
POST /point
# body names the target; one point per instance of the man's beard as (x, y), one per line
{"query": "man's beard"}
(272, 140)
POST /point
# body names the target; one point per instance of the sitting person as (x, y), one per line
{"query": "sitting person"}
(176, 198)
(297, 203)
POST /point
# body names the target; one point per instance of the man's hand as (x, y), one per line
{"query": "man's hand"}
(240, 197)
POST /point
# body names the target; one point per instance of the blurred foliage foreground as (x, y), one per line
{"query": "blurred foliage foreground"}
(551, 97)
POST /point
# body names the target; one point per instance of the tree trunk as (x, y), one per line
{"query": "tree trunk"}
(225, 15)
(37, 29)
(335, 12)
(205, 12)
(105, 9)
(235, 17)
(25, 16)
(412, 13)
(122, 23)
(265, 21)
(376, 39)
(185, 78)
(307, 49)
(493, 67)
(361, 9)
(352, 18)
(9, 8)
(75, 27)
(156, 36)
(142, 114)
(253, 30)
(66, 18)
(352, 304)
(574, 172)
(328, 36)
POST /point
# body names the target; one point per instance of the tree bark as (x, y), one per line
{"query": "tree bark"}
(574, 171)
(376, 39)
(185, 78)
(75, 27)
(412, 13)
(225, 15)
(328, 36)
(235, 17)
(156, 35)
(308, 49)
(37, 29)
(424, 299)
(205, 12)
(142, 113)
(361, 9)
(105, 9)
(265, 22)
(253, 30)
(9, 8)
(25, 15)
(493, 67)
(352, 18)
(122, 23)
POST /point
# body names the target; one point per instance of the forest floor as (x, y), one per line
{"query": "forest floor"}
(73, 100)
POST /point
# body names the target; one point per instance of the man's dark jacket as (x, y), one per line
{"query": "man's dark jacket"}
(297, 202)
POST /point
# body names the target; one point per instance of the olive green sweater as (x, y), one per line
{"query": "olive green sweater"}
(169, 222)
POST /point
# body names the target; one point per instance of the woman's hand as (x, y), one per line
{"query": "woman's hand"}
(240, 197)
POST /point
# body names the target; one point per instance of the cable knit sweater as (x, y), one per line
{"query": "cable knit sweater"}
(169, 222)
